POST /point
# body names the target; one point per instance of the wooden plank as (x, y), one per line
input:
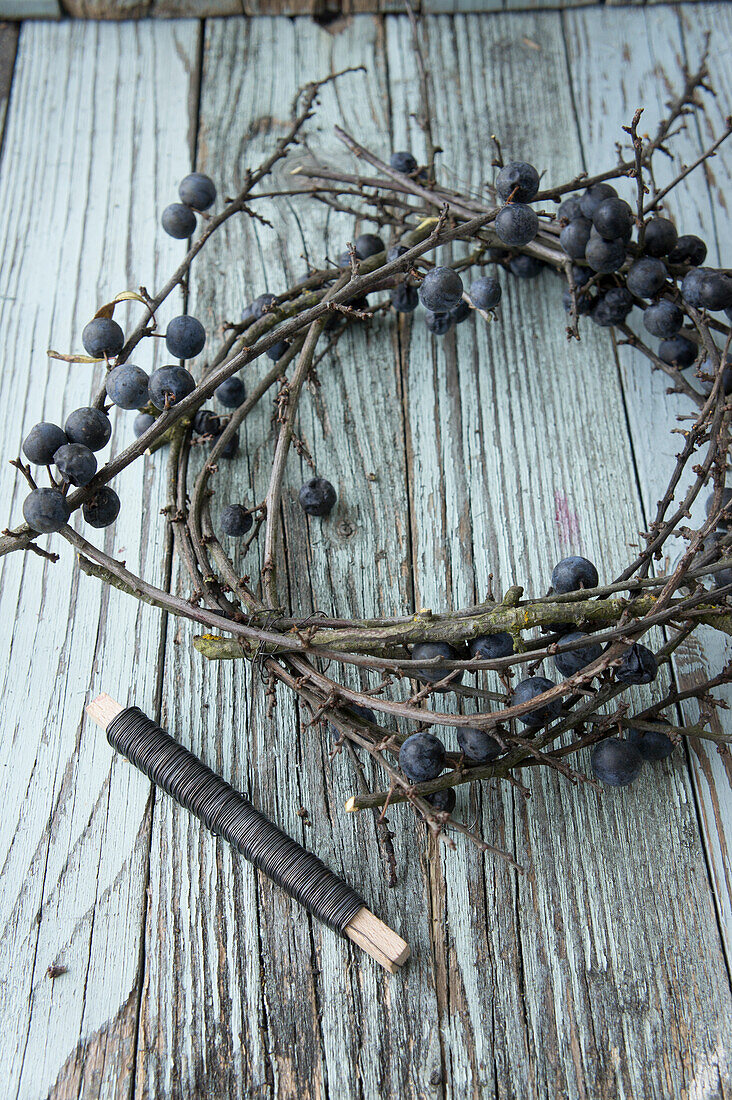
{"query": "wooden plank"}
(651, 43)
(80, 203)
(8, 48)
(512, 468)
(241, 986)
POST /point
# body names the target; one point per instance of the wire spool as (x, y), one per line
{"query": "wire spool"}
(227, 813)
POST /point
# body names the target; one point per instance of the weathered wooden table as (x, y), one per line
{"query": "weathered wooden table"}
(603, 970)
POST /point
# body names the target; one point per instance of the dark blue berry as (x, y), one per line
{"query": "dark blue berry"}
(127, 386)
(89, 426)
(615, 762)
(403, 162)
(103, 336)
(663, 319)
(185, 337)
(42, 442)
(206, 422)
(638, 666)
(585, 304)
(277, 350)
(477, 746)
(368, 244)
(525, 267)
(427, 651)
(716, 291)
(422, 757)
(517, 224)
(439, 324)
(235, 520)
(317, 497)
(575, 237)
(569, 209)
(612, 307)
(444, 801)
(646, 277)
(688, 250)
(103, 508)
(197, 190)
(76, 463)
(660, 237)
(261, 305)
(571, 574)
(489, 647)
(517, 179)
(404, 298)
(169, 385)
(178, 221)
(460, 313)
(651, 744)
(232, 447)
(594, 195)
(45, 510)
(678, 352)
(231, 393)
(613, 218)
(529, 689)
(142, 422)
(605, 256)
(581, 275)
(567, 664)
(441, 290)
(485, 293)
(691, 286)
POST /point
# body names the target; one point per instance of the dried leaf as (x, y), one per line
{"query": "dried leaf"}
(72, 358)
(125, 296)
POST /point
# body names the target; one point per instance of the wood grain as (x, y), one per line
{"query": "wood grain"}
(512, 468)
(78, 221)
(652, 45)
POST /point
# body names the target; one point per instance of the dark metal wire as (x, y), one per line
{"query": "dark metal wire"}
(229, 814)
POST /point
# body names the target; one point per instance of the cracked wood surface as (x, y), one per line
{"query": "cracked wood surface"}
(601, 971)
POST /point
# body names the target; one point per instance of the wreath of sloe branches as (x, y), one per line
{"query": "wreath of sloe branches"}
(617, 262)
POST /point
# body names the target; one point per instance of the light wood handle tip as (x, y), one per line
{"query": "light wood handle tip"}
(378, 940)
(103, 709)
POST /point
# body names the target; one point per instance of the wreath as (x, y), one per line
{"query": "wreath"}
(621, 266)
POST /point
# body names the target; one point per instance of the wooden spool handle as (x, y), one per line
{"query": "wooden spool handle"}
(365, 929)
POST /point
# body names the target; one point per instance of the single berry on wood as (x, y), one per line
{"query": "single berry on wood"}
(663, 319)
(613, 218)
(45, 511)
(428, 651)
(485, 293)
(277, 350)
(444, 801)
(439, 324)
(489, 647)
(142, 422)
(169, 385)
(89, 426)
(646, 277)
(477, 746)
(231, 392)
(525, 267)
(616, 763)
(593, 196)
(102, 508)
(368, 244)
(42, 442)
(422, 757)
(638, 666)
(688, 249)
(530, 689)
(178, 221)
(461, 312)
(317, 497)
(103, 336)
(197, 190)
(185, 337)
(235, 520)
(660, 237)
(571, 574)
(678, 351)
(127, 386)
(651, 744)
(403, 162)
(605, 256)
(76, 463)
(517, 224)
(404, 298)
(441, 290)
(517, 179)
(575, 237)
(567, 664)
